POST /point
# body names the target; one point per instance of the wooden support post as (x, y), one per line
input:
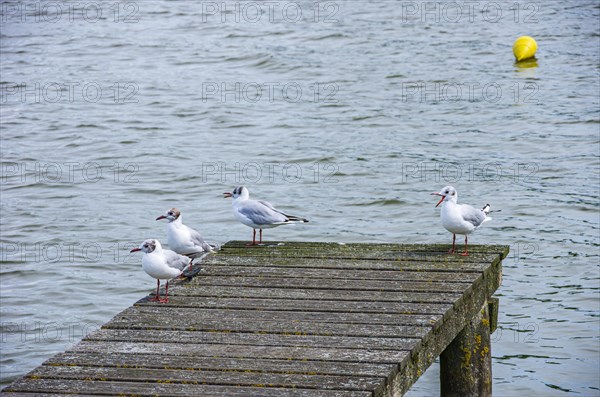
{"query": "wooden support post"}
(494, 307)
(466, 364)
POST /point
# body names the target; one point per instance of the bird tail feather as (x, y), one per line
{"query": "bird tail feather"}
(292, 218)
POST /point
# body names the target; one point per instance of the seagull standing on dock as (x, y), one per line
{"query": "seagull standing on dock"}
(460, 218)
(183, 239)
(162, 264)
(258, 214)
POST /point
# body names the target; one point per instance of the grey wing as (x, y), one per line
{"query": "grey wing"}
(473, 215)
(288, 217)
(266, 203)
(175, 260)
(197, 239)
(261, 213)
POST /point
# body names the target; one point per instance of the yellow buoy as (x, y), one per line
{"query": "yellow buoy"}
(524, 48)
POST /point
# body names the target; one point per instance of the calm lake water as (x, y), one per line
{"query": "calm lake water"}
(346, 112)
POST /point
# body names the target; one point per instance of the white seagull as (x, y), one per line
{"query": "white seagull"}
(162, 264)
(258, 214)
(460, 218)
(183, 239)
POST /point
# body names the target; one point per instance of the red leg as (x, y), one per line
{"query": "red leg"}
(166, 299)
(466, 253)
(453, 242)
(157, 297)
(253, 238)
(260, 236)
(191, 263)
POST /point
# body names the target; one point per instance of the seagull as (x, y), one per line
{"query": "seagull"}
(258, 214)
(162, 264)
(460, 218)
(183, 239)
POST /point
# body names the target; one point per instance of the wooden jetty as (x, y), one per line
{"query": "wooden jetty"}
(296, 319)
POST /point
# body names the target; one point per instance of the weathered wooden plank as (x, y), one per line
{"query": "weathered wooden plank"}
(273, 327)
(232, 378)
(331, 249)
(305, 305)
(167, 361)
(245, 351)
(296, 254)
(340, 284)
(169, 389)
(333, 246)
(40, 394)
(321, 273)
(257, 339)
(159, 313)
(350, 264)
(193, 290)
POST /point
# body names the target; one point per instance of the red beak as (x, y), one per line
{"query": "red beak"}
(135, 250)
(442, 199)
(161, 217)
(227, 195)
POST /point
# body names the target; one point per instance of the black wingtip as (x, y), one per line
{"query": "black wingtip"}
(291, 218)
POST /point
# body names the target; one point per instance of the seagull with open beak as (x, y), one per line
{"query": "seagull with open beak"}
(460, 218)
